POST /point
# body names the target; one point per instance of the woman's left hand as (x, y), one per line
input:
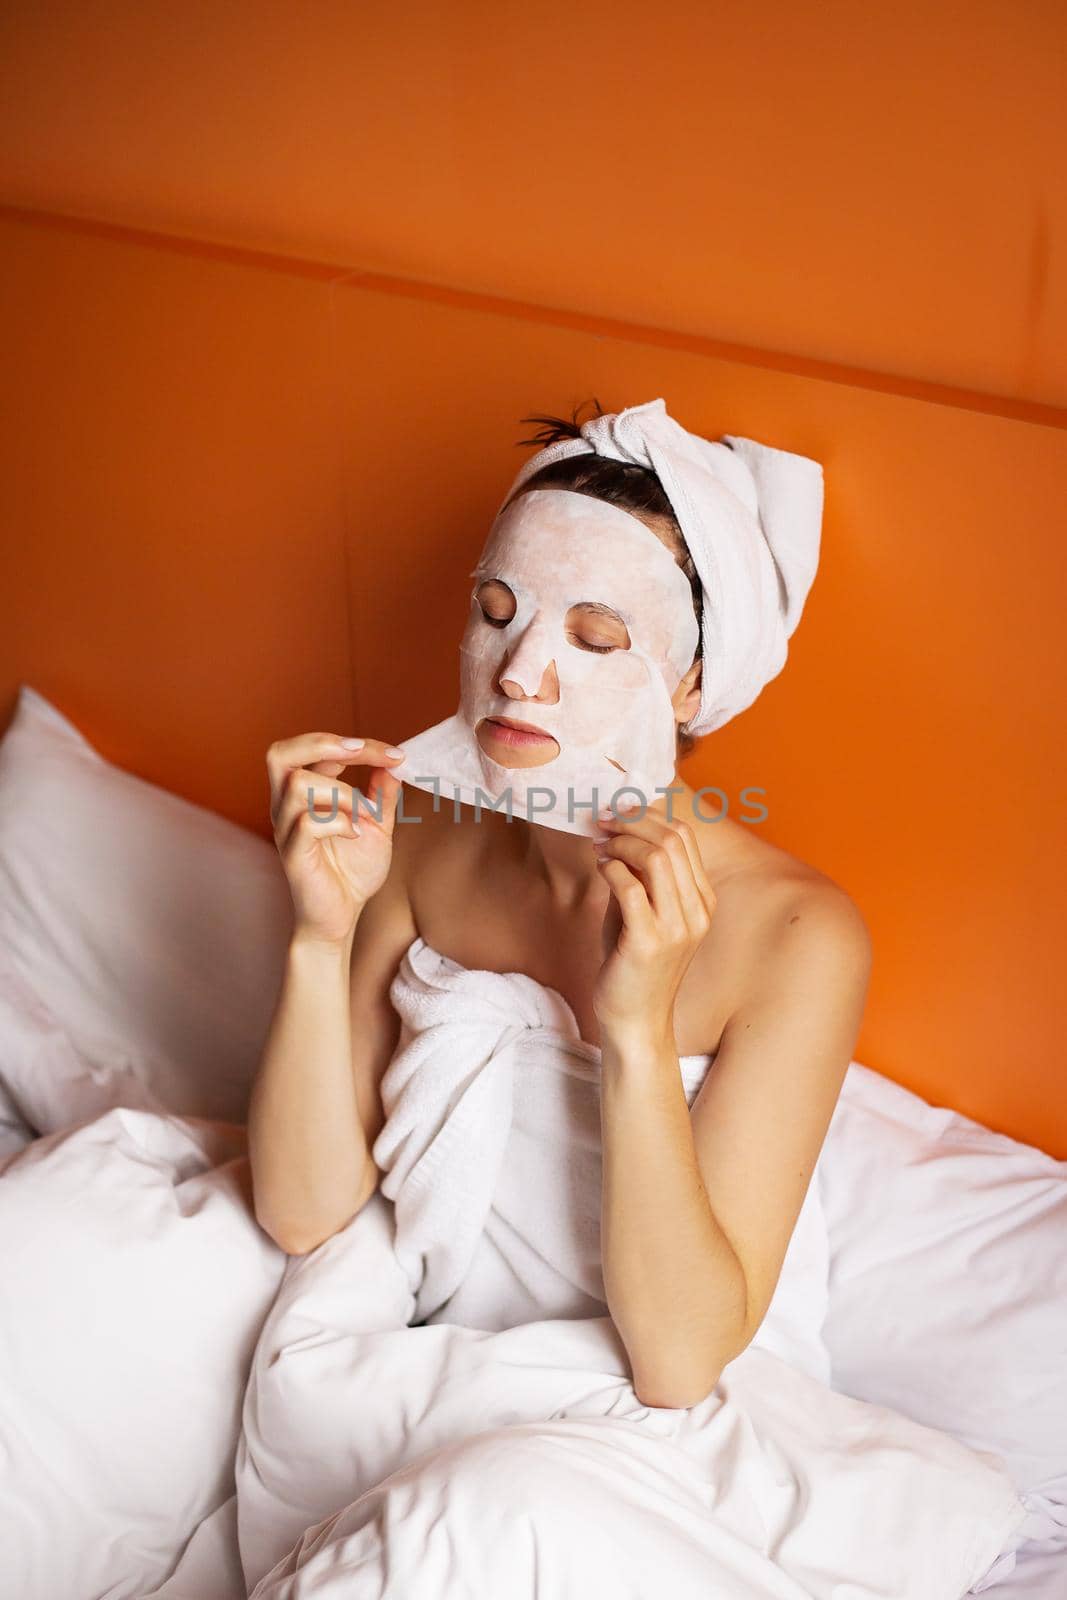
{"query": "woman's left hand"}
(659, 913)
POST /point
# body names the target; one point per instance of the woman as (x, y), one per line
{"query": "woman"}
(672, 938)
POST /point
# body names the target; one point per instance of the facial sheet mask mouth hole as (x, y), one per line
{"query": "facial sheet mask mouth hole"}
(516, 749)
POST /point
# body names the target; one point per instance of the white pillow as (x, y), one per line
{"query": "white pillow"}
(135, 1282)
(948, 1279)
(142, 938)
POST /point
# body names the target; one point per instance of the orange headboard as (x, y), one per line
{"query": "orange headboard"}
(231, 478)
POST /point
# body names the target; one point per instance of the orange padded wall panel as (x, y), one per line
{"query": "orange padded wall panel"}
(877, 185)
(173, 566)
(206, 451)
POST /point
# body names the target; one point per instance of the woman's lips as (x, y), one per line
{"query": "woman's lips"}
(523, 734)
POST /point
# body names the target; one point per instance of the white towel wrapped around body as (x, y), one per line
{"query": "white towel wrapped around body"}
(491, 1154)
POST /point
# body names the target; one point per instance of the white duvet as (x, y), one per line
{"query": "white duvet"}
(187, 1414)
(442, 1460)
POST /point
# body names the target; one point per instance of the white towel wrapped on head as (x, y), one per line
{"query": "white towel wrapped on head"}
(751, 515)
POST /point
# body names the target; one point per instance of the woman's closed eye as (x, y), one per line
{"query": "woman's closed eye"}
(497, 603)
(602, 629)
(589, 625)
(575, 639)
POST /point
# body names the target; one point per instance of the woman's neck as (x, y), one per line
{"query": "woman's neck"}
(566, 865)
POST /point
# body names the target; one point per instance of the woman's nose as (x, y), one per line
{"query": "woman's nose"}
(530, 667)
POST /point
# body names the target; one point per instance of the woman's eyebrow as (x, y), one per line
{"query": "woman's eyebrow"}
(600, 609)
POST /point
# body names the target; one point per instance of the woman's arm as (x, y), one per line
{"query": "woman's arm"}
(315, 1107)
(699, 1207)
(307, 1147)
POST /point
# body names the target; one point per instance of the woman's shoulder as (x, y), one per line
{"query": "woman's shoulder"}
(765, 894)
(739, 855)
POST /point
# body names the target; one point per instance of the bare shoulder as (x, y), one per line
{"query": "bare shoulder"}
(777, 888)
(772, 909)
(791, 900)
(778, 922)
(807, 938)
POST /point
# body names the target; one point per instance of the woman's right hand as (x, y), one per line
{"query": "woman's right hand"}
(333, 866)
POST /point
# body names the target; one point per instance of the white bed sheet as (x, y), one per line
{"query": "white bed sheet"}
(132, 1231)
(210, 1568)
(1036, 1577)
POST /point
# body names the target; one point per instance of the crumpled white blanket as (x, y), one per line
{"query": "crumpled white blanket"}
(383, 1460)
(498, 1448)
(379, 1459)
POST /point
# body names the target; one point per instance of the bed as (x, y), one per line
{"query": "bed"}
(180, 1399)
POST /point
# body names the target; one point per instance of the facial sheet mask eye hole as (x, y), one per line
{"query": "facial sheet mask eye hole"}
(588, 625)
(495, 602)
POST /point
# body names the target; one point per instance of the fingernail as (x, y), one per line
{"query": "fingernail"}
(353, 744)
(390, 751)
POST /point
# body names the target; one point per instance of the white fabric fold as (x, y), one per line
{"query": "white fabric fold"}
(381, 1461)
(1041, 1536)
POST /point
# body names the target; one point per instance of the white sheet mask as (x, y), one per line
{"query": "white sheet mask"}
(609, 711)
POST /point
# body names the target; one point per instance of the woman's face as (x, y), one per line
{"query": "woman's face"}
(581, 626)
